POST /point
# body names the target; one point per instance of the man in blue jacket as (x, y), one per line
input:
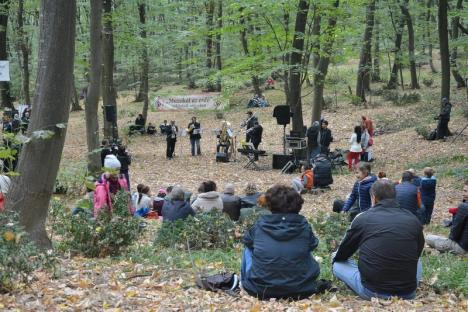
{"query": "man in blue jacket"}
(390, 241)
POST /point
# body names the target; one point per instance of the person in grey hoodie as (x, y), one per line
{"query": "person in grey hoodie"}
(208, 198)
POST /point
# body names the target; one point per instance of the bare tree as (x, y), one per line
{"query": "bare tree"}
(444, 48)
(40, 159)
(94, 87)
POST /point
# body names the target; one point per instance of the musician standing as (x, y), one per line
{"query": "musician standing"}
(250, 123)
(256, 136)
(171, 139)
(195, 136)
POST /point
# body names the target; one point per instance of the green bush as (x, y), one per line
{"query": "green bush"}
(204, 231)
(70, 180)
(100, 237)
(423, 131)
(428, 82)
(19, 256)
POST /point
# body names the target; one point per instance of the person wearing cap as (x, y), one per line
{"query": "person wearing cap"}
(112, 174)
(231, 202)
(325, 137)
(444, 119)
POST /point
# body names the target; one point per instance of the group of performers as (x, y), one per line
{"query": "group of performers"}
(226, 137)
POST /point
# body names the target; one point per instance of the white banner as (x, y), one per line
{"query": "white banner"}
(186, 102)
(4, 71)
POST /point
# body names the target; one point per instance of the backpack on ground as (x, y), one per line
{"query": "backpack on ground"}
(322, 172)
(227, 282)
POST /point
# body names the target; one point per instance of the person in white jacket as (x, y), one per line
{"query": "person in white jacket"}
(355, 150)
(208, 198)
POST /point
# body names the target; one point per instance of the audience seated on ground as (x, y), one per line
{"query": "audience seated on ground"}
(177, 207)
(259, 209)
(151, 129)
(139, 126)
(231, 202)
(277, 260)
(360, 194)
(390, 241)
(249, 200)
(208, 198)
(408, 195)
(142, 201)
(457, 242)
(159, 200)
(305, 182)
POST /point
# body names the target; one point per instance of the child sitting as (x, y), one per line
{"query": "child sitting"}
(142, 202)
(277, 260)
(305, 181)
(428, 193)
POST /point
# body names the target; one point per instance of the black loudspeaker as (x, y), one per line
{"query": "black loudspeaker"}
(110, 113)
(282, 114)
(280, 160)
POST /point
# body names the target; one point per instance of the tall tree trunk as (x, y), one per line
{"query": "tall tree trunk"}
(40, 159)
(295, 68)
(429, 21)
(322, 66)
(454, 55)
(144, 60)
(108, 90)
(24, 47)
(219, 64)
(412, 61)
(75, 100)
(5, 96)
(376, 63)
(444, 48)
(209, 6)
(365, 59)
(393, 81)
(285, 58)
(94, 87)
(245, 47)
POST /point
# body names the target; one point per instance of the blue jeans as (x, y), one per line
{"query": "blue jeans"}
(348, 273)
(195, 146)
(428, 212)
(246, 263)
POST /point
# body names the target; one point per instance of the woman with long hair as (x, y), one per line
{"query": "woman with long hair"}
(355, 150)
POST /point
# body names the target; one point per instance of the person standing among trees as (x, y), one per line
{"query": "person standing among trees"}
(444, 119)
(313, 140)
(194, 130)
(325, 137)
(355, 150)
(171, 139)
(367, 123)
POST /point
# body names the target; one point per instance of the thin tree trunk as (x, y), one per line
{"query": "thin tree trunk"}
(40, 159)
(75, 100)
(144, 60)
(5, 96)
(444, 48)
(365, 58)
(322, 66)
(412, 61)
(429, 21)
(376, 63)
(94, 87)
(285, 57)
(295, 68)
(245, 47)
(24, 47)
(209, 6)
(108, 90)
(454, 55)
(219, 65)
(393, 81)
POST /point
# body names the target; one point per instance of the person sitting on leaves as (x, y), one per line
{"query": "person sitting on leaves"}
(142, 201)
(151, 129)
(305, 182)
(208, 198)
(251, 196)
(139, 126)
(277, 260)
(176, 207)
(231, 202)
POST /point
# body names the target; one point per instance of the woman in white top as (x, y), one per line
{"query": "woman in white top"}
(143, 203)
(356, 149)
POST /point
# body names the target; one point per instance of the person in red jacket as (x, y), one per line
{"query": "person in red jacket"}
(368, 124)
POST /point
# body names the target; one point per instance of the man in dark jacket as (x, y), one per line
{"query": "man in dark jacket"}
(194, 129)
(313, 140)
(249, 123)
(325, 137)
(125, 162)
(458, 238)
(171, 139)
(444, 119)
(361, 191)
(176, 208)
(255, 135)
(390, 241)
(277, 260)
(322, 171)
(408, 195)
(231, 202)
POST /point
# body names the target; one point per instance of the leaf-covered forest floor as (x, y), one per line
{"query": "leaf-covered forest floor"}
(146, 279)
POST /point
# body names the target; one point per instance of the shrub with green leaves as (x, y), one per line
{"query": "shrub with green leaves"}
(19, 256)
(423, 131)
(204, 231)
(106, 235)
(70, 179)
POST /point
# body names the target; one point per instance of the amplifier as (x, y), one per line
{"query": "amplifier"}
(295, 143)
(280, 160)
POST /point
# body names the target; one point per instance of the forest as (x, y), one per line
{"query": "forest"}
(83, 70)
